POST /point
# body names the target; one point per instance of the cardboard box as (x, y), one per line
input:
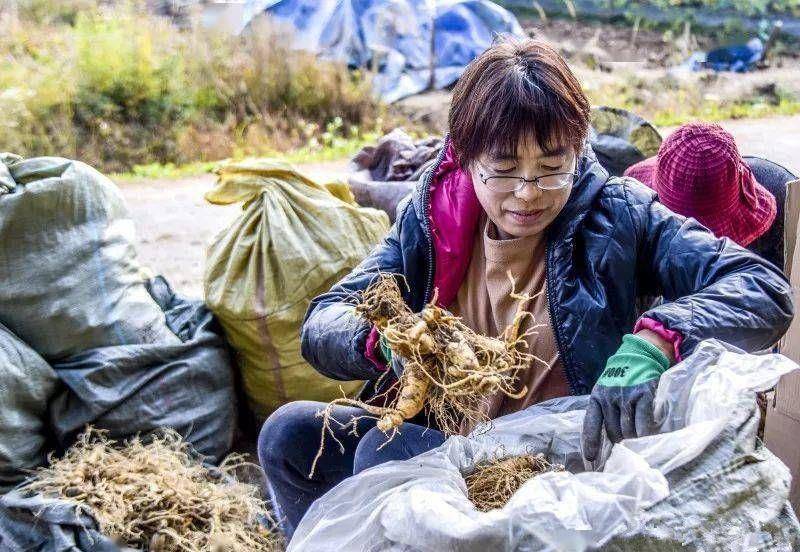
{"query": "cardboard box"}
(782, 432)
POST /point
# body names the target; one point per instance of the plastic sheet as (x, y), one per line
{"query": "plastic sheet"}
(27, 385)
(421, 504)
(71, 279)
(130, 389)
(620, 138)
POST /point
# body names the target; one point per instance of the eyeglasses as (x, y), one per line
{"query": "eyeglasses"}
(508, 184)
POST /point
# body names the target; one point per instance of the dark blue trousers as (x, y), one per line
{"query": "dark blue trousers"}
(290, 439)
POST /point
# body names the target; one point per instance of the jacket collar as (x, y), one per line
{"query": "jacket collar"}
(448, 209)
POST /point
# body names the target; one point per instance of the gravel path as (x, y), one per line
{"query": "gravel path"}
(174, 222)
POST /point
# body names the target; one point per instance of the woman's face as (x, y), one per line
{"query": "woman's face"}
(529, 210)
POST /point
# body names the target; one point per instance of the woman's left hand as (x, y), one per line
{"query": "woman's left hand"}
(622, 399)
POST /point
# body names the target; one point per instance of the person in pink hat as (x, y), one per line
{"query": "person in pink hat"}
(699, 173)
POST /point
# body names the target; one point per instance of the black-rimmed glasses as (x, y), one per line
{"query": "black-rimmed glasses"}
(508, 184)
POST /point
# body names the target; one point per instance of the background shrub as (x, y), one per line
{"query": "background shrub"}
(115, 86)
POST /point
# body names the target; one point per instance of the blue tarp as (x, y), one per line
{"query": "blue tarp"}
(394, 37)
(738, 58)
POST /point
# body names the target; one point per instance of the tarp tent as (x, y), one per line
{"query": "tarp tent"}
(404, 40)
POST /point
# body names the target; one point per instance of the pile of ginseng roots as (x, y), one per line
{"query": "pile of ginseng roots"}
(157, 496)
(491, 484)
(448, 369)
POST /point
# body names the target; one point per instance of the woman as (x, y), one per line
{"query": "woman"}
(516, 189)
(699, 173)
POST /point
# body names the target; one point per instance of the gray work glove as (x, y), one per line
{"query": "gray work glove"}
(622, 399)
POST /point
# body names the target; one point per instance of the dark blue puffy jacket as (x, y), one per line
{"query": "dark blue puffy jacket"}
(612, 245)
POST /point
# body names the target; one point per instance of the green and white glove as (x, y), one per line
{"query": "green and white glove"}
(622, 398)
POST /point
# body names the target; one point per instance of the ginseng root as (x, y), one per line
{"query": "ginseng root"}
(411, 399)
(492, 484)
(462, 368)
(449, 370)
(155, 495)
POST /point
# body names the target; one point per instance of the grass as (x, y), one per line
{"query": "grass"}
(166, 170)
(714, 111)
(342, 149)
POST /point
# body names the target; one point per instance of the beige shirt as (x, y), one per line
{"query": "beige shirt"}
(484, 302)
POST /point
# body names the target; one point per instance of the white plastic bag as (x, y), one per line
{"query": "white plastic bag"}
(421, 504)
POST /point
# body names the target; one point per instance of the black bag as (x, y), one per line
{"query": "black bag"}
(129, 389)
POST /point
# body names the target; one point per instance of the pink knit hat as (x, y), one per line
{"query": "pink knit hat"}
(699, 173)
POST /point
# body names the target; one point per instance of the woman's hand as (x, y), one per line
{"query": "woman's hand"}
(622, 399)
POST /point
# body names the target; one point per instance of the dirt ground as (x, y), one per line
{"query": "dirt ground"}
(620, 43)
(175, 223)
(611, 42)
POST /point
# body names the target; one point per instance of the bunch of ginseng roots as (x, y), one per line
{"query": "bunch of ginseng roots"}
(491, 484)
(448, 369)
(157, 496)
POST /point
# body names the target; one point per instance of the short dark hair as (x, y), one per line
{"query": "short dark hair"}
(517, 89)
